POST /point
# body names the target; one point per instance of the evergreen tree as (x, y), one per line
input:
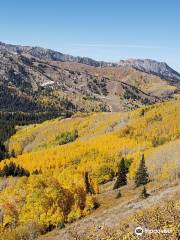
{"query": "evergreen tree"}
(89, 188)
(141, 177)
(13, 154)
(121, 177)
(13, 170)
(144, 193)
(3, 152)
(5, 171)
(35, 172)
(118, 194)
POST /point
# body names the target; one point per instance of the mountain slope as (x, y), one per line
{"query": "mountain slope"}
(117, 218)
(36, 79)
(50, 55)
(29, 84)
(145, 65)
(103, 136)
(102, 139)
(152, 66)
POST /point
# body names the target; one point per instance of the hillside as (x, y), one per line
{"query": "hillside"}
(145, 65)
(34, 79)
(105, 136)
(66, 124)
(57, 153)
(117, 218)
(154, 67)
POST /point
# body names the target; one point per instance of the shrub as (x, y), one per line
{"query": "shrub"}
(156, 141)
(67, 137)
(126, 131)
(28, 231)
(105, 174)
(91, 203)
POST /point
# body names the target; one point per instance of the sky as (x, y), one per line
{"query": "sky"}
(107, 30)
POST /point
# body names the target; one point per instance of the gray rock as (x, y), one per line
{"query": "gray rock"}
(151, 66)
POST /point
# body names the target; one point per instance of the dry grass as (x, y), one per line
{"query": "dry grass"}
(116, 219)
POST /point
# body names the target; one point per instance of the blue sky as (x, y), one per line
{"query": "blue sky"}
(107, 30)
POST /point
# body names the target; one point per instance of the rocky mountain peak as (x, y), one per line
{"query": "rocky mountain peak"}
(152, 67)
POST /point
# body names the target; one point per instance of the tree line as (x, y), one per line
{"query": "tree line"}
(13, 170)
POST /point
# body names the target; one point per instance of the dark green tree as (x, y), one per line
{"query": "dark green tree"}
(121, 176)
(3, 151)
(35, 172)
(13, 170)
(142, 176)
(13, 154)
(88, 187)
(118, 195)
(144, 193)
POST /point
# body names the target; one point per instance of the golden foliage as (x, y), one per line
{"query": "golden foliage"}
(102, 139)
(42, 200)
(58, 194)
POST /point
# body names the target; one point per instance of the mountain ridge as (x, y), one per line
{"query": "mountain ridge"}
(147, 65)
(34, 79)
(152, 66)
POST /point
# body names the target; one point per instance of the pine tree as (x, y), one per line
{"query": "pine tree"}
(89, 188)
(141, 177)
(13, 170)
(144, 193)
(13, 154)
(3, 152)
(121, 178)
(118, 195)
(35, 172)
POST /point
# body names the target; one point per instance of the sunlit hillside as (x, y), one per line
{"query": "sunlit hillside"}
(57, 154)
(103, 138)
